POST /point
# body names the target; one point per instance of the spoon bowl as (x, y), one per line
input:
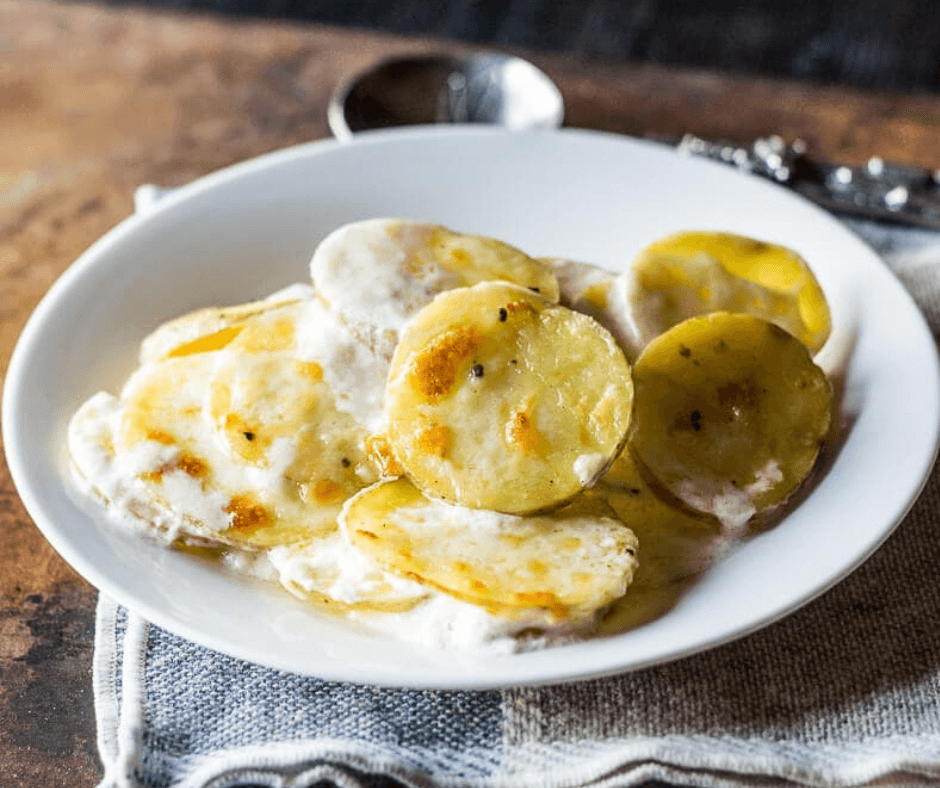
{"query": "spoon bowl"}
(489, 88)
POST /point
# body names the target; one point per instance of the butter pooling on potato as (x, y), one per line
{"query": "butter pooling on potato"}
(695, 273)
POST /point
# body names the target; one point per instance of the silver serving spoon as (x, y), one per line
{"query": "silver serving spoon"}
(420, 89)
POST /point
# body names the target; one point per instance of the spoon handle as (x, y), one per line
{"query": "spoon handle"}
(876, 190)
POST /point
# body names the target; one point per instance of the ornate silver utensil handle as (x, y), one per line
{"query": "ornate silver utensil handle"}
(876, 190)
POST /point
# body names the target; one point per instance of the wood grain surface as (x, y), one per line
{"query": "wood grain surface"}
(96, 100)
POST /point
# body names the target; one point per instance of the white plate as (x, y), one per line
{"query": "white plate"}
(248, 230)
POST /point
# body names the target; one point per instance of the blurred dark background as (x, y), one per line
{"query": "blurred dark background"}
(871, 44)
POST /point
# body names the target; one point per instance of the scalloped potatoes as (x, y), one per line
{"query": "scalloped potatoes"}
(437, 438)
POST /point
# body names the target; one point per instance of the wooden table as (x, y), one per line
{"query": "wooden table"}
(94, 101)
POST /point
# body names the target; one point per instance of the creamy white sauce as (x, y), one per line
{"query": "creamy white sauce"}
(90, 439)
(335, 568)
(604, 296)
(354, 372)
(587, 467)
(446, 623)
(732, 506)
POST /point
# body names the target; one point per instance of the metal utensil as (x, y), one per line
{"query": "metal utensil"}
(417, 89)
(875, 190)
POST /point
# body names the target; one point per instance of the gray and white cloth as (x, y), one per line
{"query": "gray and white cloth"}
(844, 692)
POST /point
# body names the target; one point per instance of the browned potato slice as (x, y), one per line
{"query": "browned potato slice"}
(730, 413)
(232, 438)
(277, 412)
(166, 444)
(694, 273)
(568, 564)
(377, 273)
(500, 399)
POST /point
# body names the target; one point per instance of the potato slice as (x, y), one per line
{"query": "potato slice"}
(730, 413)
(500, 399)
(210, 329)
(179, 475)
(377, 273)
(278, 413)
(694, 273)
(568, 564)
(232, 437)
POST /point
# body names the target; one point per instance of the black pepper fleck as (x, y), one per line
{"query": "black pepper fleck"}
(503, 314)
(535, 290)
(696, 420)
(345, 461)
(477, 370)
(249, 436)
(684, 351)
